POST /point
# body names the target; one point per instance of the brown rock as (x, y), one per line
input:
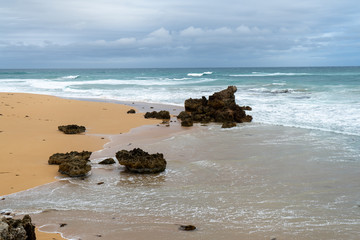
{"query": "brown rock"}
(187, 227)
(139, 161)
(221, 107)
(72, 129)
(107, 161)
(158, 115)
(58, 158)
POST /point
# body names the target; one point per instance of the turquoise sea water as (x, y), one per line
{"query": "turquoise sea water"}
(293, 173)
(325, 98)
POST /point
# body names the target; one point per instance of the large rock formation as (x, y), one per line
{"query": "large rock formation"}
(17, 229)
(158, 115)
(73, 164)
(72, 129)
(220, 107)
(139, 161)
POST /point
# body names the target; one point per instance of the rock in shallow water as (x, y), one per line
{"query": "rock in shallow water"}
(187, 227)
(75, 168)
(220, 107)
(139, 161)
(107, 161)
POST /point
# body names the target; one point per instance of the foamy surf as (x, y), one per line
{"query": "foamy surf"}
(199, 74)
(71, 77)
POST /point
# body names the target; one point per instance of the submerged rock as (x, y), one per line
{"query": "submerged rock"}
(187, 227)
(107, 161)
(58, 158)
(17, 229)
(158, 115)
(72, 129)
(220, 107)
(139, 161)
(228, 125)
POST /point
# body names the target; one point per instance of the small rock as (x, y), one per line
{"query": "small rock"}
(107, 161)
(131, 111)
(187, 228)
(158, 115)
(72, 129)
(62, 224)
(100, 183)
(2, 199)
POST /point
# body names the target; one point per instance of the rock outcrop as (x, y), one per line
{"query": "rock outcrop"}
(73, 164)
(72, 129)
(158, 115)
(17, 229)
(220, 107)
(139, 161)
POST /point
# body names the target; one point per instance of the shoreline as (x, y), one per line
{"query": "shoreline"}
(29, 135)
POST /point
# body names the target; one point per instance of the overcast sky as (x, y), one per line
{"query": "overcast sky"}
(178, 33)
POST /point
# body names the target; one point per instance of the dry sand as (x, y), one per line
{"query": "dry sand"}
(29, 135)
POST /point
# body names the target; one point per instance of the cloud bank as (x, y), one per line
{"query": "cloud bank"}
(110, 33)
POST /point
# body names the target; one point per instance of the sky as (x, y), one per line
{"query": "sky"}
(178, 33)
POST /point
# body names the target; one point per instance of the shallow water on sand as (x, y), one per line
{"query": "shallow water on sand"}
(250, 182)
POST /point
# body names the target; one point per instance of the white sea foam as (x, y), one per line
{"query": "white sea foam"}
(199, 74)
(71, 77)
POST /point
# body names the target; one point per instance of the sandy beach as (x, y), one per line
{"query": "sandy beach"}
(29, 135)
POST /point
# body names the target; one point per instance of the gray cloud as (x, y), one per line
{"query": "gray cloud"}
(138, 33)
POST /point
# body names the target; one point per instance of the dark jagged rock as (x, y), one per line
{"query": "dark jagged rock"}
(17, 229)
(187, 227)
(186, 119)
(73, 164)
(131, 111)
(107, 161)
(75, 168)
(220, 107)
(58, 158)
(158, 115)
(72, 129)
(139, 161)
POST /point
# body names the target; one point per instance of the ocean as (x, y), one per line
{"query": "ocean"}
(293, 173)
(325, 98)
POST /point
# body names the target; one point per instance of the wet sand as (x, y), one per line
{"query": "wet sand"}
(29, 135)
